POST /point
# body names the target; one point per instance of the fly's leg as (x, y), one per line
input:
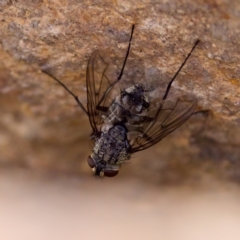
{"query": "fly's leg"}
(170, 83)
(128, 50)
(68, 90)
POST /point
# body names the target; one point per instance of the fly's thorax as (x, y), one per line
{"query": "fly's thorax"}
(134, 99)
(129, 108)
(114, 114)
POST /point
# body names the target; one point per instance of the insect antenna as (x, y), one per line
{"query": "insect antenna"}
(170, 83)
(126, 57)
(67, 89)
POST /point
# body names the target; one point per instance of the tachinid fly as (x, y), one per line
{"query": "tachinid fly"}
(125, 123)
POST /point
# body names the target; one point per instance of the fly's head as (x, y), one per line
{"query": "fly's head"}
(102, 168)
(134, 99)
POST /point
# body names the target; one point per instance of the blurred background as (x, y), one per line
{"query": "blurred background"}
(185, 187)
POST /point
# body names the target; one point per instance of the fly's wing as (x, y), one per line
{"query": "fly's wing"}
(100, 80)
(168, 117)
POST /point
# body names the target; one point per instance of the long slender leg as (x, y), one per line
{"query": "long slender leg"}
(170, 83)
(66, 88)
(128, 50)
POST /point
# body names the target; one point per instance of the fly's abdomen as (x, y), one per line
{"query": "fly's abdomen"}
(112, 147)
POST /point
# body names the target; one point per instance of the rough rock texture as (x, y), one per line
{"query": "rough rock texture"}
(42, 128)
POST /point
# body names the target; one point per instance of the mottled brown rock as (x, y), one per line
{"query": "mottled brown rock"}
(42, 128)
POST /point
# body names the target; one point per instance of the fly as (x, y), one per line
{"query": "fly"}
(124, 123)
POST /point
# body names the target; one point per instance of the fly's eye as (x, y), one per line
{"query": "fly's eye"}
(110, 173)
(91, 163)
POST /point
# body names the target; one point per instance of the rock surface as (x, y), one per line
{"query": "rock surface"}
(41, 127)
